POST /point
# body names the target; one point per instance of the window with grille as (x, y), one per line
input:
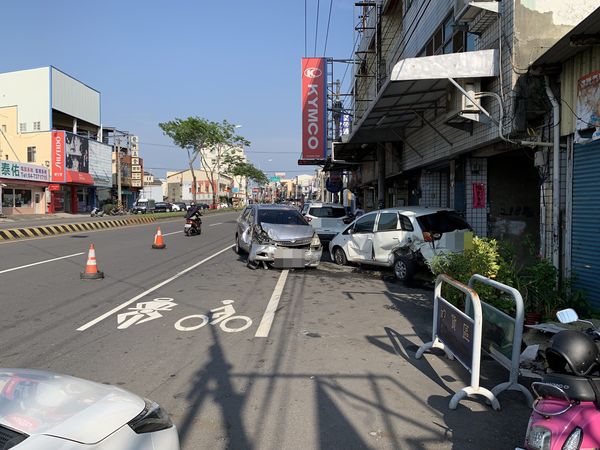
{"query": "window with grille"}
(37, 126)
(22, 127)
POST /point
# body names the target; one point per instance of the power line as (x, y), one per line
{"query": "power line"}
(317, 27)
(327, 33)
(305, 33)
(250, 151)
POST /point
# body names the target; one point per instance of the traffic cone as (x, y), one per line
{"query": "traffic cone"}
(91, 269)
(158, 240)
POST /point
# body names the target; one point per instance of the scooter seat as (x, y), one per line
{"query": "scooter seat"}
(577, 388)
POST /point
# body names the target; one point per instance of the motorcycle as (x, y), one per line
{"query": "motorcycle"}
(566, 411)
(97, 212)
(193, 225)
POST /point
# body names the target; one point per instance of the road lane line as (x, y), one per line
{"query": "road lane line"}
(152, 289)
(41, 262)
(174, 232)
(215, 224)
(267, 320)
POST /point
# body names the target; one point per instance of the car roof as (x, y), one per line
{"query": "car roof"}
(273, 206)
(321, 205)
(415, 211)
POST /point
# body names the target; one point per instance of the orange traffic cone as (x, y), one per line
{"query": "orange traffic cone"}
(91, 269)
(158, 240)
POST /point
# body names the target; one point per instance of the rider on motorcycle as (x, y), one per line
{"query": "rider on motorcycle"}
(194, 212)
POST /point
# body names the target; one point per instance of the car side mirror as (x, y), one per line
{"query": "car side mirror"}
(350, 230)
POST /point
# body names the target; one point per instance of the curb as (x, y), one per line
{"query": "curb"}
(51, 230)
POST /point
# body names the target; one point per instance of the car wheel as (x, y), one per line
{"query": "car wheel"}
(339, 256)
(404, 269)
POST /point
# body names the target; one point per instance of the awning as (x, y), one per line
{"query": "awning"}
(415, 86)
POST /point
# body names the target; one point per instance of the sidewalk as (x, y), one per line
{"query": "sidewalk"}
(26, 220)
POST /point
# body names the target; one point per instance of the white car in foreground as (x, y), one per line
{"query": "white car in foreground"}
(44, 411)
(403, 238)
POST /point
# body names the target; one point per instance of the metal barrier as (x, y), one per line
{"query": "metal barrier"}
(459, 336)
(492, 341)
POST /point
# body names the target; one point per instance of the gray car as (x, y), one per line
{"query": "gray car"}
(277, 235)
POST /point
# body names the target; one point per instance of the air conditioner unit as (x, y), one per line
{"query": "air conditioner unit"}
(467, 10)
(458, 105)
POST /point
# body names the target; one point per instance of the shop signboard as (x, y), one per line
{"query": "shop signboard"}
(23, 171)
(87, 161)
(314, 108)
(100, 167)
(58, 172)
(588, 104)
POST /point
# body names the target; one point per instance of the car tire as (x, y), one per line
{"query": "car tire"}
(237, 247)
(339, 257)
(404, 269)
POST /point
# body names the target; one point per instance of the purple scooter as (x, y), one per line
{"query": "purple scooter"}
(566, 411)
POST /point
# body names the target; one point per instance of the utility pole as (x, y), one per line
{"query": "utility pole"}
(118, 156)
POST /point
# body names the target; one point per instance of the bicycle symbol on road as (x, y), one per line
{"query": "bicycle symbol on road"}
(144, 312)
(221, 316)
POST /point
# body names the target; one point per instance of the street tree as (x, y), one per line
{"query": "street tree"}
(242, 170)
(194, 134)
(227, 147)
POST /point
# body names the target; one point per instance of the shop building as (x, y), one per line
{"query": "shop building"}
(573, 65)
(23, 188)
(180, 186)
(445, 113)
(51, 120)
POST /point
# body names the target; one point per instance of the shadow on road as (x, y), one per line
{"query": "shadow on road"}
(216, 373)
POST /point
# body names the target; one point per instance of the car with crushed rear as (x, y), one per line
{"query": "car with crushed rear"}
(406, 239)
(277, 236)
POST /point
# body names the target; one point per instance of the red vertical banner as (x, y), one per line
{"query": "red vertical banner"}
(57, 169)
(478, 195)
(314, 108)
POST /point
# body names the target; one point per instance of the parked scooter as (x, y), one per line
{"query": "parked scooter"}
(97, 212)
(193, 222)
(566, 411)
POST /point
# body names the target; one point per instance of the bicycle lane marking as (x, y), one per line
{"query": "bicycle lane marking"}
(267, 320)
(148, 291)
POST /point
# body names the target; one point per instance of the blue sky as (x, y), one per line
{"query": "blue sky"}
(156, 60)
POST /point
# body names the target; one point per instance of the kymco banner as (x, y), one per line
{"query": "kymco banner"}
(314, 108)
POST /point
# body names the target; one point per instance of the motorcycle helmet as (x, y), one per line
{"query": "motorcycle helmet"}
(572, 351)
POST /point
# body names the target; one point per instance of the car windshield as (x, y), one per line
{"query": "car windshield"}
(443, 222)
(327, 211)
(281, 217)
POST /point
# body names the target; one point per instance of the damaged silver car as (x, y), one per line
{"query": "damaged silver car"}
(277, 236)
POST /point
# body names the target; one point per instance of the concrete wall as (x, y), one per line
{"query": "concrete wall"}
(30, 91)
(13, 145)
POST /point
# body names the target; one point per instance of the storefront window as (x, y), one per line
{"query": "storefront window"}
(22, 198)
(7, 198)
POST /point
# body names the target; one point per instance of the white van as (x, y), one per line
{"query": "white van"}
(143, 206)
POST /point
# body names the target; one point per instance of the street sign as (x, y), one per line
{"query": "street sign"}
(274, 179)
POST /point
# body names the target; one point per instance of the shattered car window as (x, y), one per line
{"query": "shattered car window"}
(443, 222)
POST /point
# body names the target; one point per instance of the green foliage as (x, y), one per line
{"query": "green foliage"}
(538, 282)
(483, 258)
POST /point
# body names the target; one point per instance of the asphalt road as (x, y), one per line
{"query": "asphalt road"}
(311, 359)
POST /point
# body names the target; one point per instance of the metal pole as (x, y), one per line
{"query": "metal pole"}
(118, 156)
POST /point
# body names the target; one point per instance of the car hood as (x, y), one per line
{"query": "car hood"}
(40, 402)
(279, 232)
